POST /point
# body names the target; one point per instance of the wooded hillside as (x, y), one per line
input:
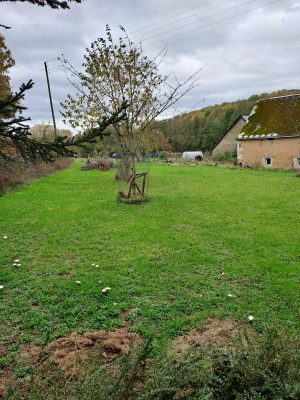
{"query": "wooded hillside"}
(204, 128)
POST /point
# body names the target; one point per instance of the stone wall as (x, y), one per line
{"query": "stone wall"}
(283, 153)
(228, 143)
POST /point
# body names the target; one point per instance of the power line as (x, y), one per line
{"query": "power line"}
(165, 19)
(216, 22)
(201, 19)
(186, 17)
(76, 55)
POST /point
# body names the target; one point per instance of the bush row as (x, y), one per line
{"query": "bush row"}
(17, 172)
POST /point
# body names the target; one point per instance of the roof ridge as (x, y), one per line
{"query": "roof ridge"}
(280, 97)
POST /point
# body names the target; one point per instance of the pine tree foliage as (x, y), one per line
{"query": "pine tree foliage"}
(15, 135)
(55, 4)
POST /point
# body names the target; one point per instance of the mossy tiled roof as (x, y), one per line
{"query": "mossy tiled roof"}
(274, 117)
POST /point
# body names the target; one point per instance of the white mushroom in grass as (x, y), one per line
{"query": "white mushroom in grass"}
(5, 237)
(106, 290)
(1, 287)
(78, 282)
(250, 318)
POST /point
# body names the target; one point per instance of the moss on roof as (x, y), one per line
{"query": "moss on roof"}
(277, 116)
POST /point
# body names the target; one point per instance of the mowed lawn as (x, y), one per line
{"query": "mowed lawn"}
(164, 260)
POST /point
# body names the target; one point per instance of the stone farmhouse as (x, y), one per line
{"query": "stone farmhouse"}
(271, 137)
(228, 143)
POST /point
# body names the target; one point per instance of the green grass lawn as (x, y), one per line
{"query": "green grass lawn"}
(163, 258)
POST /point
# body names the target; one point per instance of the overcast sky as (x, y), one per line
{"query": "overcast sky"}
(246, 47)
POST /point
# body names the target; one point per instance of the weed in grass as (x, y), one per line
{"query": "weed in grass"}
(164, 258)
(262, 367)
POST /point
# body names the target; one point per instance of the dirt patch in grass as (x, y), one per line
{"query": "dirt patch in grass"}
(31, 353)
(6, 375)
(128, 314)
(5, 371)
(216, 333)
(74, 351)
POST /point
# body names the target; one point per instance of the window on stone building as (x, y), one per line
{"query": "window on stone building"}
(268, 161)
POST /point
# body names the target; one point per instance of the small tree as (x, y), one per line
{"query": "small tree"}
(114, 72)
(6, 62)
(45, 132)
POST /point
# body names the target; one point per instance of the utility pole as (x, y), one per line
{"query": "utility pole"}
(50, 98)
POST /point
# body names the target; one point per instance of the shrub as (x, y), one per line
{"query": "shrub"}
(228, 156)
(258, 367)
(17, 172)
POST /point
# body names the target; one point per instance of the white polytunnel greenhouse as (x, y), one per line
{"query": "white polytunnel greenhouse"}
(192, 155)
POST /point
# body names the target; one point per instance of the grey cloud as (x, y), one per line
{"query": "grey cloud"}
(248, 54)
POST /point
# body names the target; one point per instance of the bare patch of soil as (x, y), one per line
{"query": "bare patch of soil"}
(5, 372)
(3, 351)
(74, 351)
(5, 378)
(31, 353)
(216, 333)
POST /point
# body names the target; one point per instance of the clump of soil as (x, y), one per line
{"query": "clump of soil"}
(74, 351)
(6, 374)
(217, 333)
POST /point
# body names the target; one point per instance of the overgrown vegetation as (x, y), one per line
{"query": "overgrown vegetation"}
(17, 172)
(258, 367)
(228, 156)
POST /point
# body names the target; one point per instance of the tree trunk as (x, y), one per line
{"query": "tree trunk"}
(123, 168)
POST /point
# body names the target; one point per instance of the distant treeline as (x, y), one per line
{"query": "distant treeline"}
(203, 129)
